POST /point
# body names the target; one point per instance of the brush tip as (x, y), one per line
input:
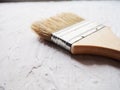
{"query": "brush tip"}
(45, 28)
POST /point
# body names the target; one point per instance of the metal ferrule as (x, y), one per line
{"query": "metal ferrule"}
(66, 37)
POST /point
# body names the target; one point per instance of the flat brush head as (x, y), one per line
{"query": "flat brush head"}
(45, 28)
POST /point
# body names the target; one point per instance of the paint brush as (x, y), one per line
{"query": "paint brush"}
(79, 36)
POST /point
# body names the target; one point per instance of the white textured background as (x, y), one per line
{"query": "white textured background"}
(28, 63)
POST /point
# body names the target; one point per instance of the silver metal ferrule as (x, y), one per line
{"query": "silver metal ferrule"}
(66, 37)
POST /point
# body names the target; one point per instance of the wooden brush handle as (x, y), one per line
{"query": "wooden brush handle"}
(102, 42)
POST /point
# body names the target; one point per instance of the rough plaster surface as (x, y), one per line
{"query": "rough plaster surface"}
(29, 63)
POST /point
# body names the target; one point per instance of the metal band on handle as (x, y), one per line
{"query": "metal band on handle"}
(66, 37)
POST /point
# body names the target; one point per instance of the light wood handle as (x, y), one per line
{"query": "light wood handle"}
(102, 42)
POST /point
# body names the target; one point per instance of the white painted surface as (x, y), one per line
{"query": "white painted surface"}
(27, 63)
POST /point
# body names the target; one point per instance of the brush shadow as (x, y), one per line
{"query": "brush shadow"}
(84, 59)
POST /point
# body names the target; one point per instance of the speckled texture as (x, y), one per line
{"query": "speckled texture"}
(29, 63)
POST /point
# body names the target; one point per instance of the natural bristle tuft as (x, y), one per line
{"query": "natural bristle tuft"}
(45, 28)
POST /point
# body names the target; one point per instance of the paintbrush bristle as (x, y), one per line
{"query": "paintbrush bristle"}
(45, 28)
